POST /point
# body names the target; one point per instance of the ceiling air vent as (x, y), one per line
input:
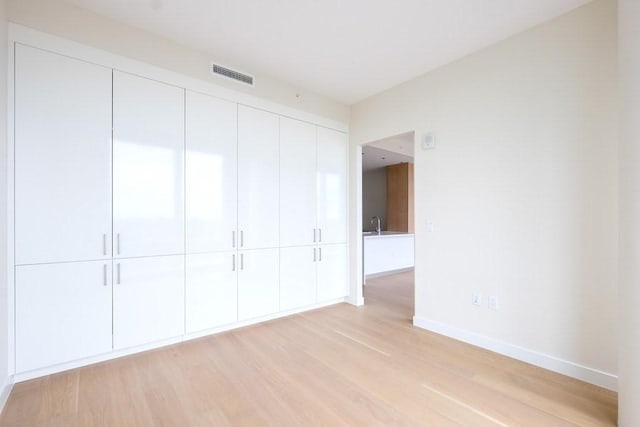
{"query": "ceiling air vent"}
(228, 73)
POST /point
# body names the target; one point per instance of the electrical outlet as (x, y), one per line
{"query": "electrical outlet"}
(494, 303)
(476, 299)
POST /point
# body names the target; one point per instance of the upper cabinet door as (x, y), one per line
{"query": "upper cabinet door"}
(211, 174)
(298, 183)
(148, 167)
(332, 185)
(258, 173)
(62, 158)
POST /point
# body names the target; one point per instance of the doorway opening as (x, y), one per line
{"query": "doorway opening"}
(387, 220)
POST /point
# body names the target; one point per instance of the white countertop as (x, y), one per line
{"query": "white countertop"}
(373, 234)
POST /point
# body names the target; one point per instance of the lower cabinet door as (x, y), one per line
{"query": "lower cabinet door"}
(148, 300)
(297, 277)
(63, 313)
(211, 290)
(258, 283)
(332, 272)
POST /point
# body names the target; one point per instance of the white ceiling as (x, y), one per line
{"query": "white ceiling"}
(346, 50)
(388, 151)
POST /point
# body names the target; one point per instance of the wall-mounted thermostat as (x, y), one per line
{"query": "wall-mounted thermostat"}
(428, 141)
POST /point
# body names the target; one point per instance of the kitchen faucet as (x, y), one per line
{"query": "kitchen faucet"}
(377, 219)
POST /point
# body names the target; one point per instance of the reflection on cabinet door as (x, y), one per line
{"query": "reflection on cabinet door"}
(211, 290)
(148, 300)
(332, 186)
(332, 272)
(63, 313)
(297, 277)
(148, 167)
(298, 183)
(258, 283)
(258, 187)
(62, 158)
(211, 174)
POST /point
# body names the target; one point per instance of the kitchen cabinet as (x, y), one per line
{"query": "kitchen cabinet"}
(332, 272)
(148, 300)
(298, 183)
(62, 158)
(211, 174)
(148, 167)
(258, 175)
(211, 290)
(400, 198)
(332, 186)
(297, 277)
(258, 283)
(63, 312)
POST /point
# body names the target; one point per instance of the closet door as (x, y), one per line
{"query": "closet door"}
(332, 186)
(148, 300)
(148, 167)
(298, 183)
(62, 158)
(63, 313)
(332, 272)
(298, 277)
(258, 173)
(211, 174)
(258, 283)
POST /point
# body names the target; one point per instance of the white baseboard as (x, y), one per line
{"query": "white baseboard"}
(6, 391)
(565, 367)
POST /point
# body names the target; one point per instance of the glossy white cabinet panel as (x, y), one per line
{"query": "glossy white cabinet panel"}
(332, 272)
(211, 290)
(258, 174)
(332, 185)
(298, 183)
(148, 300)
(62, 158)
(297, 277)
(148, 167)
(258, 283)
(63, 313)
(387, 252)
(211, 174)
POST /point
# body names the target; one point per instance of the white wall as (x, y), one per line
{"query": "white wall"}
(522, 190)
(374, 197)
(66, 20)
(4, 345)
(629, 349)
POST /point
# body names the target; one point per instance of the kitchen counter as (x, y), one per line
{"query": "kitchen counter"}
(387, 252)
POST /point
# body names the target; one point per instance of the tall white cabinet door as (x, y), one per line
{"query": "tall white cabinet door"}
(297, 277)
(63, 313)
(148, 300)
(62, 158)
(298, 183)
(258, 173)
(332, 185)
(332, 272)
(258, 283)
(211, 173)
(148, 167)
(211, 290)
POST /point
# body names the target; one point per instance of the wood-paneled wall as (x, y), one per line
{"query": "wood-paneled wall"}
(400, 216)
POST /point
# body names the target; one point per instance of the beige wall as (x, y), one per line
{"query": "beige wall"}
(4, 345)
(65, 20)
(521, 189)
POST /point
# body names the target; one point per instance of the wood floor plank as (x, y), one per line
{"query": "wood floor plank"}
(340, 366)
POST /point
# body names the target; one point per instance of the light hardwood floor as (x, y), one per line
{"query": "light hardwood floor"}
(340, 365)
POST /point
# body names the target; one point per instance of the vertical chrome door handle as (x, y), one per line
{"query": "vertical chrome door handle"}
(104, 244)
(320, 235)
(104, 274)
(233, 262)
(320, 254)
(241, 261)
(118, 243)
(233, 239)
(314, 254)
(241, 239)
(314, 235)
(118, 273)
